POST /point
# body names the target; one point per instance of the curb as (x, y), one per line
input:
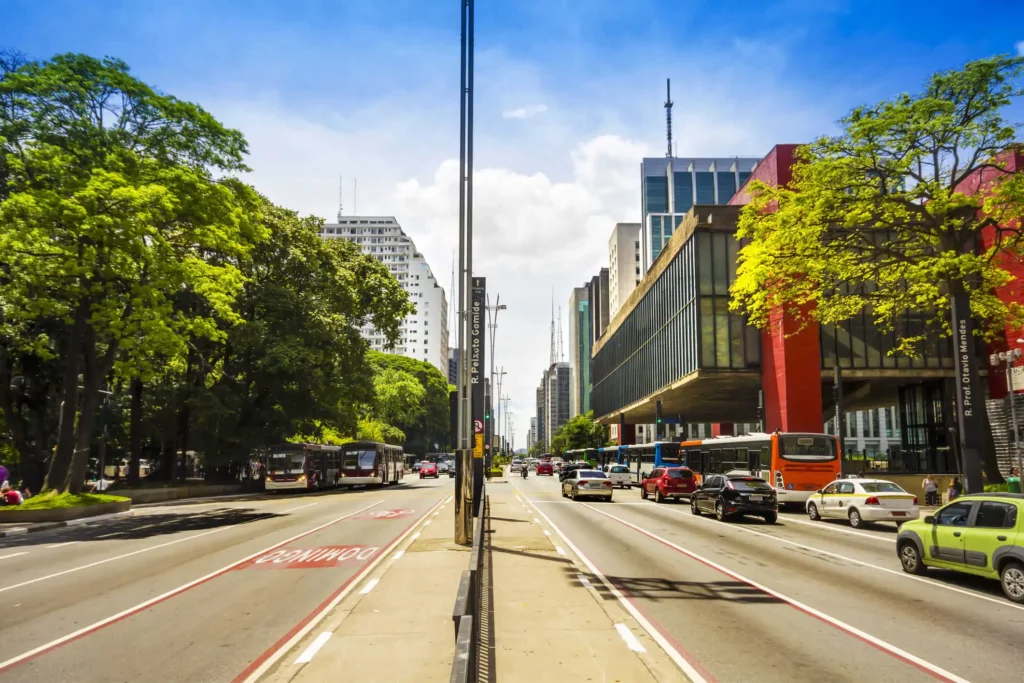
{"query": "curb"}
(46, 526)
(178, 501)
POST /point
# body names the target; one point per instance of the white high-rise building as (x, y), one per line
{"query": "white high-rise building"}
(424, 333)
(624, 266)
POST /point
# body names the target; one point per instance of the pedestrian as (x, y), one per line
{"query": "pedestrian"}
(11, 496)
(956, 489)
(931, 490)
(27, 493)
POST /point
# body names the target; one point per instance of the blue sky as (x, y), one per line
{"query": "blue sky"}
(569, 99)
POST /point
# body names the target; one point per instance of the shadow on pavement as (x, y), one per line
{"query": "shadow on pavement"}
(668, 589)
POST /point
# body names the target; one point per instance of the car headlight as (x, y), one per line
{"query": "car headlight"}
(301, 477)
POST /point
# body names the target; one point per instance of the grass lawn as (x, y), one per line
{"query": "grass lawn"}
(50, 501)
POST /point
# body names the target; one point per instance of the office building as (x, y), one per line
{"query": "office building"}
(540, 436)
(552, 402)
(624, 264)
(580, 344)
(531, 435)
(453, 367)
(670, 186)
(597, 295)
(424, 333)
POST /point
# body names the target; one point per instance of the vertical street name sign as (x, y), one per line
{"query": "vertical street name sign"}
(477, 363)
(970, 400)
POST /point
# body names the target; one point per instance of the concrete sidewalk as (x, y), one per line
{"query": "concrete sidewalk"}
(547, 624)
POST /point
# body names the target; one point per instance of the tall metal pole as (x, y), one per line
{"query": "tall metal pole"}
(837, 388)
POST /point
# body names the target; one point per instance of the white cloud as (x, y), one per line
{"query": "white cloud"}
(1020, 47)
(525, 112)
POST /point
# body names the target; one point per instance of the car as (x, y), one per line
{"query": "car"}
(668, 483)
(863, 501)
(620, 475)
(980, 534)
(571, 467)
(429, 469)
(416, 467)
(516, 465)
(442, 468)
(545, 467)
(732, 495)
(557, 465)
(579, 483)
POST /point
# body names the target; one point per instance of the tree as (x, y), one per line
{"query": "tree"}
(579, 432)
(399, 396)
(879, 219)
(109, 210)
(427, 424)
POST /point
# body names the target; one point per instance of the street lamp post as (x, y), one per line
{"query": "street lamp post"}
(1008, 358)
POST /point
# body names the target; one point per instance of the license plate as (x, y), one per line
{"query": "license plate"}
(756, 499)
(899, 514)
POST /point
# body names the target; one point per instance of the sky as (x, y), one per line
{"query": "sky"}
(568, 96)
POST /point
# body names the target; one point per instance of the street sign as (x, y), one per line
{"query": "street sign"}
(1017, 378)
(478, 426)
(478, 446)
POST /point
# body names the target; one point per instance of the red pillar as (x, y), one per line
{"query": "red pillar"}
(627, 435)
(723, 429)
(791, 375)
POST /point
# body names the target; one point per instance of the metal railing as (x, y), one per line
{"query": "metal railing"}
(466, 616)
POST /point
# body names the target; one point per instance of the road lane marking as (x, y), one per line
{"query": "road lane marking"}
(631, 641)
(918, 663)
(268, 659)
(427, 523)
(314, 647)
(536, 520)
(922, 579)
(398, 555)
(86, 630)
(683, 661)
(301, 507)
(116, 533)
(560, 550)
(547, 533)
(61, 545)
(370, 585)
(416, 535)
(5, 557)
(835, 527)
(585, 581)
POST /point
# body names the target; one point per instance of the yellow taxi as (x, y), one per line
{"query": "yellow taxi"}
(863, 501)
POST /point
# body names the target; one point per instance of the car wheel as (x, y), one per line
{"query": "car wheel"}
(643, 492)
(693, 507)
(1011, 576)
(572, 494)
(658, 498)
(812, 512)
(855, 519)
(910, 559)
(719, 511)
(771, 518)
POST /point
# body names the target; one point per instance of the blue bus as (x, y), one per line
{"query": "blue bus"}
(598, 458)
(641, 459)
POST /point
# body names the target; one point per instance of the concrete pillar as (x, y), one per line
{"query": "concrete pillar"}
(791, 375)
(723, 429)
(627, 435)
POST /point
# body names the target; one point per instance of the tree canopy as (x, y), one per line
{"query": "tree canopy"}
(879, 219)
(579, 432)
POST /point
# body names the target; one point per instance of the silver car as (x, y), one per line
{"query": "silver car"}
(580, 483)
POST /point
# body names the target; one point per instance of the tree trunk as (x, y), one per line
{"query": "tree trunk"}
(60, 464)
(135, 438)
(86, 417)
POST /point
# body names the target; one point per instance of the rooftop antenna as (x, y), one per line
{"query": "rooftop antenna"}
(341, 197)
(355, 196)
(552, 361)
(561, 353)
(668, 114)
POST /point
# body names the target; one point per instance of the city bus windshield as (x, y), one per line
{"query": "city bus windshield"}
(669, 454)
(808, 448)
(286, 463)
(359, 460)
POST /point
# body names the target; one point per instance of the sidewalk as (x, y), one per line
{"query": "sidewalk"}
(547, 625)
(401, 631)
(17, 529)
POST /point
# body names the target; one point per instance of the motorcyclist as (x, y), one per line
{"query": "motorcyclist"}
(525, 470)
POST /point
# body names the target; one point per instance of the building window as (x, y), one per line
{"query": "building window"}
(705, 187)
(726, 186)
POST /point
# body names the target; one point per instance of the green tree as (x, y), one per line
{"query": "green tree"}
(108, 211)
(428, 424)
(399, 396)
(579, 432)
(879, 219)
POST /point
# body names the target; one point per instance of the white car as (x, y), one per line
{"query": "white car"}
(620, 476)
(515, 466)
(863, 501)
(591, 483)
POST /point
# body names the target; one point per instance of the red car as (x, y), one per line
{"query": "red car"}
(429, 469)
(545, 467)
(668, 482)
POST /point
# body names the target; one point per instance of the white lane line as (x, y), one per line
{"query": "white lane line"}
(301, 507)
(436, 513)
(116, 533)
(560, 550)
(674, 654)
(823, 526)
(585, 581)
(305, 630)
(631, 641)
(370, 585)
(61, 545)
(547, 533)
(427, 523)
(307, 656)
(903, 655)
(6, 557)
(536, 520)
(415, 535)
(164, 596)
(902, 574)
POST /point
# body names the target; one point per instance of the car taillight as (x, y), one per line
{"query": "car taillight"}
(873, 500)
(915, 500)
(607, 483)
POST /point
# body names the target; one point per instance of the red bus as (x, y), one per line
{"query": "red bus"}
(301, 466)
(369, 463)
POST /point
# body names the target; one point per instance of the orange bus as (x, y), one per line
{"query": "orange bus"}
(795, 464)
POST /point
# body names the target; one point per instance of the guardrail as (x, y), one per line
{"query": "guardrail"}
(466, 617)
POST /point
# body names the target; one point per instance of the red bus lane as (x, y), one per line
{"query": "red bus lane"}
(234, 619)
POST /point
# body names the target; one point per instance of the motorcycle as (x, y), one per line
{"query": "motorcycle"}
(525, 470)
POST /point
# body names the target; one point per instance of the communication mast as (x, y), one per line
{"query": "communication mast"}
(668, 115)
(341, 197)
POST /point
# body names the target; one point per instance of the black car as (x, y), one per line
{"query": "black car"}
(734, 495)
(571, 467)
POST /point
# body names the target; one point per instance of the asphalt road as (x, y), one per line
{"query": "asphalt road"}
(793, 601)
(191, 592)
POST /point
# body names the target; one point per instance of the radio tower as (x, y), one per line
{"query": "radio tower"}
(552, 360)
(668, 115)
(341, 196)
(561, 352)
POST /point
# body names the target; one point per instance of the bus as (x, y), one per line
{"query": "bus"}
(301, 466)
(642, 458)
(370, 463)
(795, 464)
(598, 458)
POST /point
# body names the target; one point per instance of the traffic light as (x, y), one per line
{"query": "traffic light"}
(658, 429)
(657, 412)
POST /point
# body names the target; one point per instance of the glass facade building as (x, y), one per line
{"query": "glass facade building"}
(671, 186)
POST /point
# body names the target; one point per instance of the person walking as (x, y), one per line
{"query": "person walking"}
(931, 490)
(956, 489)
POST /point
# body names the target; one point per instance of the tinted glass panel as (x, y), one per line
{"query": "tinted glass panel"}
(996, 516)
(591, 474)
(750, 485)
(680, 474)
(657, 194)
(726, 186)
(954, 515)
(705, 187)
(882, 487)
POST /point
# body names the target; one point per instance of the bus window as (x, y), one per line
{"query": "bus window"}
(715, 464)
(766, 457)
(808, 448)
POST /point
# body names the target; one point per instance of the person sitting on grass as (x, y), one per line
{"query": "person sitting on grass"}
(11, 496)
